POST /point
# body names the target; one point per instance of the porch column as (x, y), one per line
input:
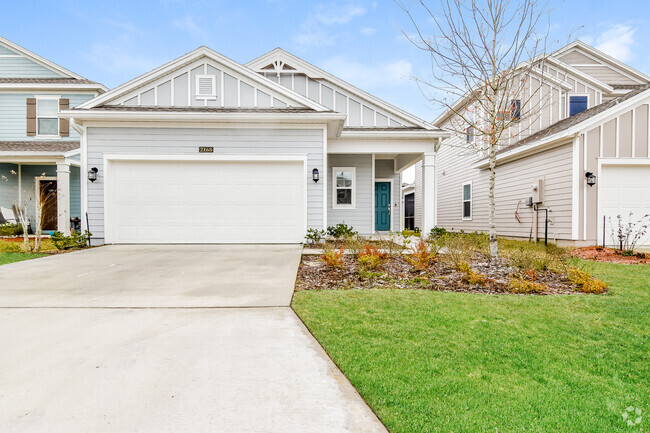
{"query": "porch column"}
(63, 197)
(428, 192)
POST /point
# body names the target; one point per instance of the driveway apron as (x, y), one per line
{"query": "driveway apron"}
(166, 339)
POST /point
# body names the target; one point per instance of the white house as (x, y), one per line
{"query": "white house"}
(585, 158)
(204, 149)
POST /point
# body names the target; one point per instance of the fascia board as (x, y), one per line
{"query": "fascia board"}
(53, 86)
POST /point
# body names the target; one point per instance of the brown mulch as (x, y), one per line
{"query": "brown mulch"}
(397, 273)
(610, 255)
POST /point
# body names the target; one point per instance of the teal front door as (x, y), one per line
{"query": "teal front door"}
(382, 206)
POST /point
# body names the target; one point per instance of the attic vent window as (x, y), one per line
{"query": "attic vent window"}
(206, 87)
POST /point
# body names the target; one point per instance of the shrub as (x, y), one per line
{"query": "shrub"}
(370, 257)
(524, 286)
(470, 276)
(627, 234)
(437, 232)
(333, 258)
(585, 282)
(527, 256)
(76, 240)
(421, 257)
(458, 249)
(341, 230)
(9, 229)
(353, 243)
(10, 247)
(314, 236)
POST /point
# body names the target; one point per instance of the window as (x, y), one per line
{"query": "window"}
(344, 185)
(515, 109)
(467, 201)
(470, 134)
(206, 87)
(47, 121)
(577, 104)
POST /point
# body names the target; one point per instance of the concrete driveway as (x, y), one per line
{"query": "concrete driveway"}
(77, 358)
(155, 276)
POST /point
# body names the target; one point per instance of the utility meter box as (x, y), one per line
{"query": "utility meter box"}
(538, 191)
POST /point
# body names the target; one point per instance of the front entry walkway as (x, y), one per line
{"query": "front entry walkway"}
(76, 357)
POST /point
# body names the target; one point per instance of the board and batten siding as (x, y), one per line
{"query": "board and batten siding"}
(361, 113)
(385, 169)
(186, 141)
(360, 218)
(178, 89)
(623, 136)
(514, 182)
(13, 114)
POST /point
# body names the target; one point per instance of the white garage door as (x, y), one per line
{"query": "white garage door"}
(205, 201)
(623, 189)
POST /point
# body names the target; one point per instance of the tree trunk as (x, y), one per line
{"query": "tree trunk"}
(494, 247)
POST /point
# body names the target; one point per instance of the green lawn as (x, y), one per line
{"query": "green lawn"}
(452, 362)
(17, 257)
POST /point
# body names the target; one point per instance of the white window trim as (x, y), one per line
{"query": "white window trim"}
(213, 95)
(471, 201)
(353, 205)
(58, 125)
(568, 102)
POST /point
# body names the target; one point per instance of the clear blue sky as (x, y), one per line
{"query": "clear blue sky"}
(360, 41)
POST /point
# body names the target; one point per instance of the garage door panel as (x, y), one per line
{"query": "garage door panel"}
(206, 201)
(623, 189)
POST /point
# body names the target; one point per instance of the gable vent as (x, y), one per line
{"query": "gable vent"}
(206, 87)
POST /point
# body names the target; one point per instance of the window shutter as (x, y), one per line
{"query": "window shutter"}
(64, 124)
(31, 117)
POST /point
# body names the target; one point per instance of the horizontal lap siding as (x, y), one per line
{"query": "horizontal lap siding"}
(14, 67)
(513, 185)
(13, 115)
(359, 218)
(180, 141)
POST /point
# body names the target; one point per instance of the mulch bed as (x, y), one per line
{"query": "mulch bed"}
(397, 273)
(610, 255)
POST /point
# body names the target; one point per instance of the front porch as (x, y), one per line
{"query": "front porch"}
(53, 182)
(364, 183)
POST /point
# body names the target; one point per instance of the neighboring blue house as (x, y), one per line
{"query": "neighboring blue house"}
(39, 153)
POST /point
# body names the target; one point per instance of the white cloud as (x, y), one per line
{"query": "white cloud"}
(120, 58)
(368, 31)
(370, 76)
(334, 13)
(188, 24)
(616, 41)
(315, 30)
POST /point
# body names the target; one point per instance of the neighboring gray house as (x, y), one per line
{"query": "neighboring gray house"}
(596, 124)
(39, 154)
(204, 149)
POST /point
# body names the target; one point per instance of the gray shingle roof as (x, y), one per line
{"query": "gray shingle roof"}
(200, 109)
(576, 119)
(46, 81)
(391, 128)
(38, 146)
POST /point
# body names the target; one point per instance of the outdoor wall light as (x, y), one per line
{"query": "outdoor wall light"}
(315, 175)
(591, 178)
(92, 174)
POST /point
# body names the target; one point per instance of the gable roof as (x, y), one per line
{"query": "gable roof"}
(188, 58)
(278, 54)
(579, 45)
(577, 120)
(38, 59)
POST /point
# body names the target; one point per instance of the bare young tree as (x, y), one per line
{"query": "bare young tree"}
(487, 72)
